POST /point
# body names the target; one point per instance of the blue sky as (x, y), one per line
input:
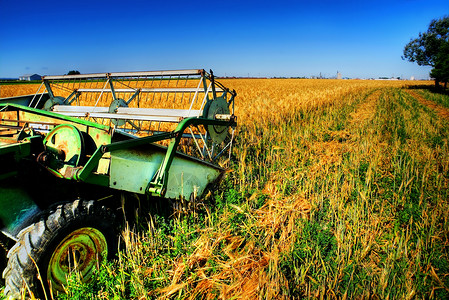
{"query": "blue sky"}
(362, 39)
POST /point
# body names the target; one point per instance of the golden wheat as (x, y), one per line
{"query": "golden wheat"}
(291, 149)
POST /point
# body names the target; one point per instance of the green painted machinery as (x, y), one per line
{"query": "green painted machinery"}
(74, 152)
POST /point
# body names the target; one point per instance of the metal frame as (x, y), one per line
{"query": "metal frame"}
(127, 96)
(157, 186)
(73, 95)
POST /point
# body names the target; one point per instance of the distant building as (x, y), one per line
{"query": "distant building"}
(412, 77)
(338, 75)
(29, 77)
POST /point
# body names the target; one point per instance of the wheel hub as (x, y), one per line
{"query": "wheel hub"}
(218, 133)
(80, 251)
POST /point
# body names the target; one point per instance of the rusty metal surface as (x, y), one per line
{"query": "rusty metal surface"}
(81, 250)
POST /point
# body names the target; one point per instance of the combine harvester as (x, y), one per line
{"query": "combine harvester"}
(73, 154)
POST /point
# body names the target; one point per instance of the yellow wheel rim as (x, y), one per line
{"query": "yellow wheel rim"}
(81, 250)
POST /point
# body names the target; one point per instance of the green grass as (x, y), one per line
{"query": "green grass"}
(330, 203)
(9, 82)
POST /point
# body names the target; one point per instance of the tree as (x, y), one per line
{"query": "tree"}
(432, 49)
(441, 67)
(73, 72)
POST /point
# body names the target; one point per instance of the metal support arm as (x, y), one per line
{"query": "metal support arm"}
(158, 185)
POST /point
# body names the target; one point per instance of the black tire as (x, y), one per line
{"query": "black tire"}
(81, 229)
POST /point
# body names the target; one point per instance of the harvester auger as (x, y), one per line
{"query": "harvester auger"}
(72, 152)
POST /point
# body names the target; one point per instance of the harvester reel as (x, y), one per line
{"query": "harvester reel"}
(113, 109)
(58, 100)
(219, 106)
(66, 142)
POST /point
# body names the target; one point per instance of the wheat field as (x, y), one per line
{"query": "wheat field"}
(337, 189)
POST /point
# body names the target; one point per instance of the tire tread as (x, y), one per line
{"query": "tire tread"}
(21, 269)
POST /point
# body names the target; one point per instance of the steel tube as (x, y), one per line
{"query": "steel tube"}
(125, 74)
(148, 90)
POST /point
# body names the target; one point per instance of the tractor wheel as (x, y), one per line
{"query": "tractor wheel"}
(80, 233)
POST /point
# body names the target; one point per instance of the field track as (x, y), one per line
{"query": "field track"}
(440, 110)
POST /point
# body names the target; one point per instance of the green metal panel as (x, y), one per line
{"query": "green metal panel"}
(20, 149)
(13, 151)
(132, 169)
(188, 178)
(16, 206)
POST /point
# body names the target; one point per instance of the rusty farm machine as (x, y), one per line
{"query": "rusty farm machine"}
(74, 151)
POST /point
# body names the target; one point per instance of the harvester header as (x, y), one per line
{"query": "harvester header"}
(89, 137)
